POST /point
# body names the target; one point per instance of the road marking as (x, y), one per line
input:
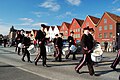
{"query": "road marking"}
(37, 73)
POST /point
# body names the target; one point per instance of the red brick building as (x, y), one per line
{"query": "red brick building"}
(107, 28)
(90, 21)
(65, 29)
(76, 28)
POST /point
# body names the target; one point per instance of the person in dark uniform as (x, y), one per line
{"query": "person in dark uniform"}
(40, 37)
(54, 41)
(71, 42)
(26, 43)
(18, 40)
(59, 45)
(86, 50)
(5, 41)
(117, 59)
(105, 45)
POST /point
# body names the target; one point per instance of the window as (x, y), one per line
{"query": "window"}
(78, 35)
(74, 24)
(66, 32)
(105, 20)
(111, 27)
(105, 27)
(87, 24)
(111, 35)
(100, 28)
(105, 35)
(78, 29)
(100, 35)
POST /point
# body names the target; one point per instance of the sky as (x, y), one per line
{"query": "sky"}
(30, 14)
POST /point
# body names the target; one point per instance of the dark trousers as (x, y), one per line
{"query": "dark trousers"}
(116, 61)
(41, 54)
(5, 44)
(26, 53)
(16, 47)
(58, 55)
(86, 58)
(19, 49)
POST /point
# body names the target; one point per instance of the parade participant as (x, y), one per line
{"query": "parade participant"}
(54, 41)
(86, 50)
(105, 45)
(59, 45)
(71, 42)
(18, 40)
(40, 37)
(117, 59)
(5, 41)
(114, 44)
(26, 43)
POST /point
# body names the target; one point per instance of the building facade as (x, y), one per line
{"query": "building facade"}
(90, 21)
(76, 28)
(108, 28)
(65, 29)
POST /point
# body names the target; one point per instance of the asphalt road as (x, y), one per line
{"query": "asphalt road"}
(9, 72)
(12, 68)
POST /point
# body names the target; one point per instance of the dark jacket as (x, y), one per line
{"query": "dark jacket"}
(118, 42)
(19, 38)
(59, 42)
(26, 41)
(41, 36)
(91, 41)
(70, 38)
(86, 42)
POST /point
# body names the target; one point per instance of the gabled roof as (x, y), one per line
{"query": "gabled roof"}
(52, 27)
(59, 27)
(114, 17)
(80, 22)
(95, 20)
(67, 24)
(27, 32)
(34, 31)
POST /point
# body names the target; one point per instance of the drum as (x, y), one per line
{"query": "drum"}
(96, 56)
(73, 48)
(31, 49)
(20, 45)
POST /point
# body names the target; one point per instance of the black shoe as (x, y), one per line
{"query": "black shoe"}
(45, 65)
(30, 61)
(23, 60)
(92, 74)
(113, 68)
(36, 63)
(77, 71)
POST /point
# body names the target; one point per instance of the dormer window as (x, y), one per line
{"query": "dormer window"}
(105, 20)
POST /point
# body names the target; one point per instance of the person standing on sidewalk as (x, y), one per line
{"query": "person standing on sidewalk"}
(71, 42)
(40, 37)
(26, 43)
(86, 50)
(117, 59)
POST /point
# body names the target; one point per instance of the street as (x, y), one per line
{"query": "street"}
(12, 68)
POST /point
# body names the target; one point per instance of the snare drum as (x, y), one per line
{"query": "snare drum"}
(31, 49)
(73, 48)
(96, 56)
